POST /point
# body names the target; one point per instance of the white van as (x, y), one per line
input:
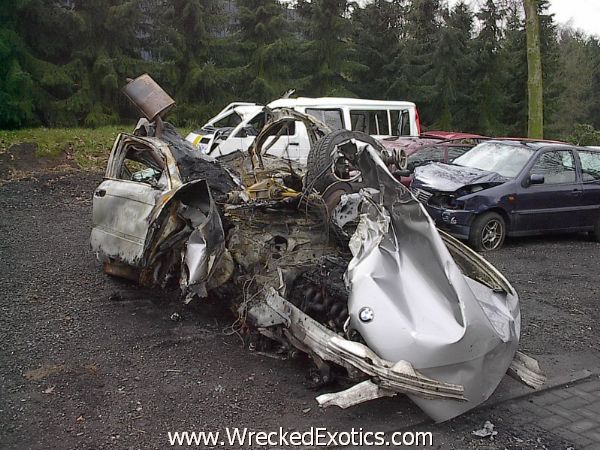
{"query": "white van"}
(237, 125)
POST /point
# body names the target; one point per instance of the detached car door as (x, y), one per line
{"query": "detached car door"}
(136, 177)
(550, 195)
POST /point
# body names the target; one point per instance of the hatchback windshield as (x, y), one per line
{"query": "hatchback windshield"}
(503, 158)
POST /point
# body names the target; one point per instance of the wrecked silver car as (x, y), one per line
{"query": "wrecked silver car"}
(335, 258)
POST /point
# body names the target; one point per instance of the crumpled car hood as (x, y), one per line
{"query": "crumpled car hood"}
(450, 325)
(449, 178)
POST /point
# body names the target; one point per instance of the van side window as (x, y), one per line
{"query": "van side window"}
(330, 117)
(405, 123)
(400, 122)
(590, 165)
(374, 122)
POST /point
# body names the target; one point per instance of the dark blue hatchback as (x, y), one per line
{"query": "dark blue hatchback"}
(514, 188)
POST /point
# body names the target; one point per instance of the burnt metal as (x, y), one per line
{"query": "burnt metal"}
(148, 97)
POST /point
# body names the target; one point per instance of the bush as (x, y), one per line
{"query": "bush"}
(584, 135)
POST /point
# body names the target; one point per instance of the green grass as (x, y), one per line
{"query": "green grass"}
(90, 147)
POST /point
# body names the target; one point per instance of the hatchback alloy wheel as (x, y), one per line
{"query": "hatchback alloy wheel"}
(487, 232)
(492, 235)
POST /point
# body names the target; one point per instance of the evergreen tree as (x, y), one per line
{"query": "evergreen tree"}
(489, 97)
(268, 48)
(103, 56)
(514, 58)
(376, 32)
(206, 53)
(328, 54)
(189, 66)
(576, 66)
(453, 65)
(31, 79)
(412, 69)
(552, 85)
(593, 118)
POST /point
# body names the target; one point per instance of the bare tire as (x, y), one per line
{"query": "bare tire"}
(318, 165)
(488, 232)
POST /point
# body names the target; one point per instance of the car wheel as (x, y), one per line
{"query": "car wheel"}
(318, 165)
(487, 232)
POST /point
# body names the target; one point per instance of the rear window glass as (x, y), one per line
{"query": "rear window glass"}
(330, 117)
(374, 122)
(590, 165)
(425, 155)
(455, 152)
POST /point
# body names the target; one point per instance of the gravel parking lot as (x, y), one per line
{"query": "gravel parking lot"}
(89, 361)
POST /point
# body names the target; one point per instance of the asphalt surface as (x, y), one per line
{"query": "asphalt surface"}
(90, 361)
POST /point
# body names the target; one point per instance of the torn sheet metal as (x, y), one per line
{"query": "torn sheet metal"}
(158, 220)
(425, 309)
(206, 243)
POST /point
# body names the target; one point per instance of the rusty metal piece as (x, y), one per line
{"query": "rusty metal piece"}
(148, 97)
(121, 270)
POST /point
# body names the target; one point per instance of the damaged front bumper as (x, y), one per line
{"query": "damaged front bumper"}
(318, 340)
(455, 222)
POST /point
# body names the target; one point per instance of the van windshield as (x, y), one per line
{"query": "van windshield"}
(506, 159)
(330, 117)
(231, 120)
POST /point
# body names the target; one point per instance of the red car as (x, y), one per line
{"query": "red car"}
(437, 146)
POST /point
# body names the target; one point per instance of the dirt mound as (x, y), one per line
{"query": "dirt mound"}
(24, 159)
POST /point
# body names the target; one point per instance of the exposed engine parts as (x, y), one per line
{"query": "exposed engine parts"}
(320, 292)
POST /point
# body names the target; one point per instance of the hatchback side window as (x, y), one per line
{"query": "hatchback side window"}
(590, 165)
(557, 167)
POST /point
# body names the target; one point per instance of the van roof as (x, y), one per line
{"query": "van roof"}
(243, 110)
(335, 101)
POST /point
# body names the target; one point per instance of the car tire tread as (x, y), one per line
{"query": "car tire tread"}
(318, 176)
